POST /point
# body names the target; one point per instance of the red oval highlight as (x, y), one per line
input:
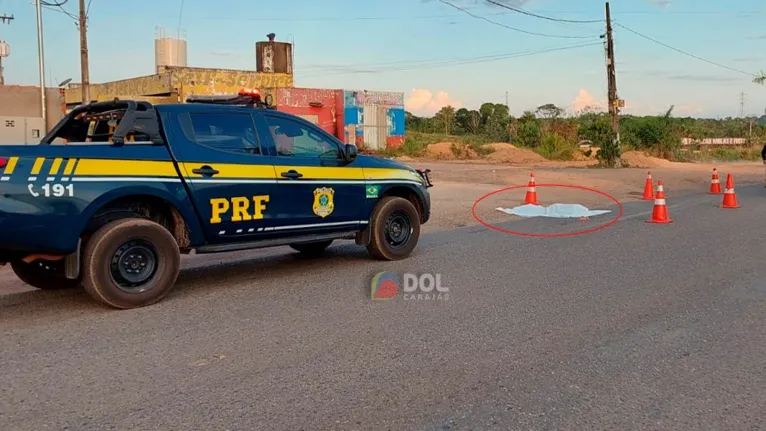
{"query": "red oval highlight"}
(548, 235)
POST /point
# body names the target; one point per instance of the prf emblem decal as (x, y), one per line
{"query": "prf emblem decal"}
(323, 201)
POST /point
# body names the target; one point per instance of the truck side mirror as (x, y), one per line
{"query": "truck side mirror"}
(350, 152)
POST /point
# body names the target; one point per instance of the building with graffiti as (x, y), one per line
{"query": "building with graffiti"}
(373, 120)
(174, 81)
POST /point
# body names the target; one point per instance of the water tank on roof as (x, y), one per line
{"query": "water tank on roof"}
(273, 57)
(169, 51)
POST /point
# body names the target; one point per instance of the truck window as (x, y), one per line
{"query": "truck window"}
(298, 140)
(225, 132)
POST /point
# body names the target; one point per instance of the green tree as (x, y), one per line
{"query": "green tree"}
(468, 121)
(497, 123)
(445, 118)
(760, 78)
(529, 133)
(549, 110)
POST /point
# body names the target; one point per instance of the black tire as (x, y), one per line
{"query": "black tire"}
(386, 242)
(43, 275)
(312, 249)
(130, 263)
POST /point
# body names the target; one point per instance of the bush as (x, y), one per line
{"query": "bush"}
(554, 147)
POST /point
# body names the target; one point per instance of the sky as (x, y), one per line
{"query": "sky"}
(434, 53)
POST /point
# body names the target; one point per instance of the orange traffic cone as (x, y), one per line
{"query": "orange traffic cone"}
(715, 183)
(531, 197)
(660, 211)
(729, 197)
(648, 187)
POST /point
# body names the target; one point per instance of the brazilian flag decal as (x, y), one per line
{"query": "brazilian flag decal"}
(372, 192)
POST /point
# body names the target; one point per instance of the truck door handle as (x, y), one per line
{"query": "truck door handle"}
(205, 170)
(292, 174)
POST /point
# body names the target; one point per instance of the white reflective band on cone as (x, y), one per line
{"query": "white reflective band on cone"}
(659, 201)
(729, 191)
(660, 189)
(715, 181)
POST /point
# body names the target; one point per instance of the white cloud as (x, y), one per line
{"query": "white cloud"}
(584, 99)
(424, 102)
(687, 109)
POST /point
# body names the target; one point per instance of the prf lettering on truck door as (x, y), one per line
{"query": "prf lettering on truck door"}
(239, 207)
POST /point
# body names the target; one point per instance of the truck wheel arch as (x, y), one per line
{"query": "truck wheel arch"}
(143, 205)
(409, 193)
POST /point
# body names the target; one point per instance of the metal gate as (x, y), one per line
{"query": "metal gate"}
(374, 126)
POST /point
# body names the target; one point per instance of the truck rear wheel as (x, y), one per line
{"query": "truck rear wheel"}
(130, 263)
(43, 275)
(394, 229)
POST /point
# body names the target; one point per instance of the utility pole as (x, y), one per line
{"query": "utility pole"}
(614, 101)
(84, 68)
(5, 19)
(41, 62)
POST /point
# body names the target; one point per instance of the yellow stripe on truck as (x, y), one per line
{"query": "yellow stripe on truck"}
(346, 173)
(10, 166)
(231, 170)
(69, 168)
(38, 165)
(325, 173)
(372, 174)
(55, 166)
(130, 168)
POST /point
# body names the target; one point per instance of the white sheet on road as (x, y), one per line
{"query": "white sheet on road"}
(553, 211)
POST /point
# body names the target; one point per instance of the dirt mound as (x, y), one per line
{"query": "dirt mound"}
(451, 151)
(510, 154)
(404, 159)
(442, 150)
(499, 146)
(639, 159)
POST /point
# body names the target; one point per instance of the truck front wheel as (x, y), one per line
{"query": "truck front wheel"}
(43, 275)
(130, 263)
(394, 229)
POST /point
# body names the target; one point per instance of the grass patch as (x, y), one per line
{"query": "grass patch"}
(416, 143)
(729, 154)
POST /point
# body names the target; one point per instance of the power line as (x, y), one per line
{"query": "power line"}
(522, 11)
(438, 16)
(453, 62)
(59, 7)
(683, 52)
(466, 11)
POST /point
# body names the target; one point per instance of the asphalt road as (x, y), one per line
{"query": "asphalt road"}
(637, 326)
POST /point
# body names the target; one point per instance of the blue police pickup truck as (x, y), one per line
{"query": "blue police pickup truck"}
(118, 190)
